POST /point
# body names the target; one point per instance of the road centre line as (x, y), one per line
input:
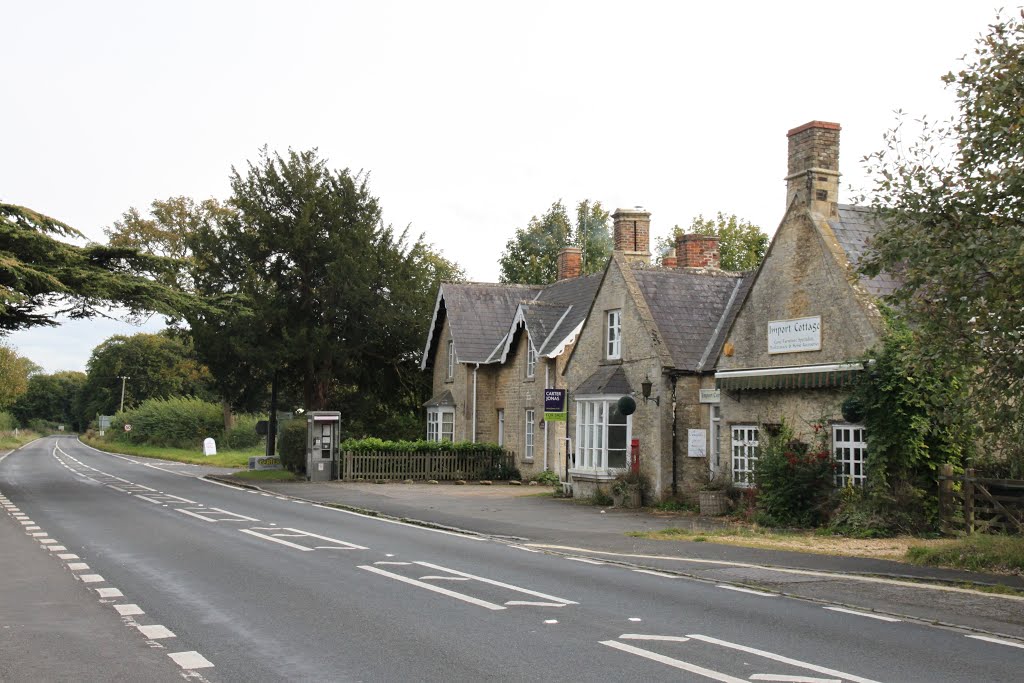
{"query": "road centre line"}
(528, 603)
(498, 584)
(186, 512)
(235, 514)
(880, 617)
(999, 641)
(436, 589)
(190, 660)
(781, 658)
(643, 636)
(400, 523)
(345, 544)
(675, 663)
(155, 631)
(276, 540)
(128, 610)
(781, 570)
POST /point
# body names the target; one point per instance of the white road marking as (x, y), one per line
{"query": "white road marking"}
(186, 512)
(436, 589)
(116, 488)
(785, 678)
(394, 563)
(77, 566)
(999, 641)
(400, 523)
(155, 631)
(499, 584)
(129, 610)
(343, 544)
(635, 619)
(220, 483)
(441, 578)
(109, 593)
(55, 548)
(236, 515)
(644, 636)
(276, 540)
(675, 663)
(148, 499)
(37, 534)
(91, 578)
(68, 556)
(32, 528)
(520, 547)
(880, 617)
(780, 658)
(585, 560)
(280, 497)
(28, 523)
(551, 621)
(654, 573)
(751, 591)
(190, 660)
(47, 541)
(527, 603)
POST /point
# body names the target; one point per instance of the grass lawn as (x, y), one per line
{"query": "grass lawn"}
(980, 552)
(267, 475)
(235, 459)
(8, 441)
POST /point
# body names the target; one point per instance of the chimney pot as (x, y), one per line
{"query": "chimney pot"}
(813, 168)
(697, 251)
(570, 263)
(631, 233)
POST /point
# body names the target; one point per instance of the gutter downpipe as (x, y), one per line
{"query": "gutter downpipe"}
(674, 439)
(547, 379)
(474, 401)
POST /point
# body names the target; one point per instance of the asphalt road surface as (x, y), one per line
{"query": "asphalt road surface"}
(229, 584)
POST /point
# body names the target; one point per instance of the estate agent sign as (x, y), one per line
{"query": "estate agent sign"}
(554, 405)
(792, 336)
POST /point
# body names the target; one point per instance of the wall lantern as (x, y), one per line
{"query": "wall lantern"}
(645, 390)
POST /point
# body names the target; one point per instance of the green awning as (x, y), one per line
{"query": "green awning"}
(791, 377)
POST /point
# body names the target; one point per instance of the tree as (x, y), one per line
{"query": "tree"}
(42, 277)
(157, 365)
(52, 398)
(531, 255)
(15, 371)
(741, 244)
(951, 204)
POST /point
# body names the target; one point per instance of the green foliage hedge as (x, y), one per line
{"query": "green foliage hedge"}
(420, 446)
(7, 422)
(291, 445)
(182, 423)
(794, 479)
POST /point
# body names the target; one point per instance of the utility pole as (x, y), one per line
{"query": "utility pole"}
(123, 380)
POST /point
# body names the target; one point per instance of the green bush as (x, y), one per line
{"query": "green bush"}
(182, 422)
(291, 446)
(243, 434)
(793, 479)
(547, 478)
(880, 512)
(7, 422)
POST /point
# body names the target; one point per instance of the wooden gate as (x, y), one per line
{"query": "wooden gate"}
(980, 504)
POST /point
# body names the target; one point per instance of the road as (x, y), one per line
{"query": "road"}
(229, 584)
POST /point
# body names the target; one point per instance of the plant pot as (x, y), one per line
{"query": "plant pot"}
(630, 497)
(713, 503)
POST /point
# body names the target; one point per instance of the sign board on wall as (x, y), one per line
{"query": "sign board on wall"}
(554, 405)
(793, 336)
(710, 395)
(264, 463)
(697, 443)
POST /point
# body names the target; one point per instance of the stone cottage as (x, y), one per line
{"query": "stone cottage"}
(493, 349)
(654, 334)
(802, 330)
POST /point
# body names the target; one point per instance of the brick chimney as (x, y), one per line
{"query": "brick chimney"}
(632, 233)
(697, 251)
(570, 263)
(813, 176)
(669, 259)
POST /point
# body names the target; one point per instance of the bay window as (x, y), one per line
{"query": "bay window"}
(602, 434)
(441, 423)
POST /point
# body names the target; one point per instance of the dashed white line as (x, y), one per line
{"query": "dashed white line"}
(56, 548)
(751, 591)
(880, 617)
(644, 636)
(91, 578)
(190, 660)
(786, 678)
(654, 573)
(77, 566)
(109, 593)
(67, 556)
(999, 641)
(47, 541)
(585, 560)
(129, 610)
(155, 631)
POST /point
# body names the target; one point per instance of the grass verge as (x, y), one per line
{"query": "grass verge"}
(229, 458)
(266, 475)
(8, 440)
(980, 552)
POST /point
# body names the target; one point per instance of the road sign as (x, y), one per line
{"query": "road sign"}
(127, 427)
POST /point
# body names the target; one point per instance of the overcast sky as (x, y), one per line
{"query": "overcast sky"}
(471, 117)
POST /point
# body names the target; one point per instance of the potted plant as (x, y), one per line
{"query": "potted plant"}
(714, 495)
(628, 490)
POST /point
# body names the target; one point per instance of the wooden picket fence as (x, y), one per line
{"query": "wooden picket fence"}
(980, 504)
(424, 466)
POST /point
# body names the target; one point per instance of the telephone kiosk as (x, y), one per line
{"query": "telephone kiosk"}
(322, 437)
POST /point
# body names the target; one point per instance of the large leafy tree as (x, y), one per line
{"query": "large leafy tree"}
(157, 365)
(531, 255)
(951, 200)
(15, 371)
(741, 244)
(42, 277)
(52, 398)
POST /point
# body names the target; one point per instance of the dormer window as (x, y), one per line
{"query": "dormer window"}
(613, 336)
(531, 358)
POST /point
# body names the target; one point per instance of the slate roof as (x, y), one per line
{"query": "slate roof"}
(609, 379)
(693, 311)
(444, 398)
(479, 314)
(561, 308)
(854, 228)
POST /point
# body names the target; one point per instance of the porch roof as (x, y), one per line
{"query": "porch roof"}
(790, 377)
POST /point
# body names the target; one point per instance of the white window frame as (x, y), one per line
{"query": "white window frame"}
(850, 451)
(451, 359)
(441, 423)
(593, 454)
(531, 358)
(501, 426)
(528, 442)
(746, 447)
(613, 334)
